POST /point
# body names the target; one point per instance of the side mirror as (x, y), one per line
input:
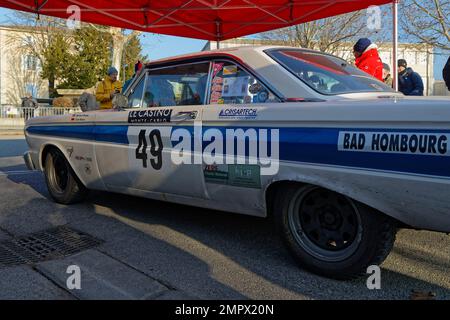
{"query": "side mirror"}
(120, 101)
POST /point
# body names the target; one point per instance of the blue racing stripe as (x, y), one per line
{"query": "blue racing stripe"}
(308, 145)
(112, 134)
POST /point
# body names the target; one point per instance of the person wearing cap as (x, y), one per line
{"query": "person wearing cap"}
(107, 88)
(367, 58)
(387, 78)
(137, 67)
(409, 82)
(446, 74)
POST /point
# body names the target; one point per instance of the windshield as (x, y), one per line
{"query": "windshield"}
(326, 74)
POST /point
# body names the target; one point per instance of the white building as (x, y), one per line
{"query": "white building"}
(419, 57)
(20, 70)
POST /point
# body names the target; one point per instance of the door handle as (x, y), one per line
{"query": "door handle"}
(185, 115)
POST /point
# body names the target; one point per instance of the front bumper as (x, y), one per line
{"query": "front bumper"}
(29, 160)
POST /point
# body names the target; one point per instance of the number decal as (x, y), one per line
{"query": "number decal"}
(156, 149)
(141, 150)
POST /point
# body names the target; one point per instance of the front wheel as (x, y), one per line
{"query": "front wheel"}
(62, 183)
(331, 234)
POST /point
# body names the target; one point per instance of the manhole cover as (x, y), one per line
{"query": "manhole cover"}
(45, 245)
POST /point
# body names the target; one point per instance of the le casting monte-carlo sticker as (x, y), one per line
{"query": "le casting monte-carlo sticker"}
(150, 116)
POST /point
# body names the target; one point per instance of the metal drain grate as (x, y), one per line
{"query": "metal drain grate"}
(45, 245)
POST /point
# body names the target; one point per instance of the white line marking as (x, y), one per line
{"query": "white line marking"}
(8, 173)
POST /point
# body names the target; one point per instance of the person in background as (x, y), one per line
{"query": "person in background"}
(387, 78)
(409, 82)
(368, 58)
(29, 105)
(137, 67)
(446, 74)
(107, 88)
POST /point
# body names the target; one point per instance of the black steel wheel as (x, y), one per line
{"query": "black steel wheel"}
(331, 234)
(62, 183)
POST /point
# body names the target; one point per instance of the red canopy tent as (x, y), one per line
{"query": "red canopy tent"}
(202, 19)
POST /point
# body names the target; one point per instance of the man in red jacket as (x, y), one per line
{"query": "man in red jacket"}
(367, 58)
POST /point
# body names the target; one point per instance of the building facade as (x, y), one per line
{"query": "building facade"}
(20, 69)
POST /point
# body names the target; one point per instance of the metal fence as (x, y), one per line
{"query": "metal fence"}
(17, 112)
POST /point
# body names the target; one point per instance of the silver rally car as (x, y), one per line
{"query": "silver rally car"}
(337, 159)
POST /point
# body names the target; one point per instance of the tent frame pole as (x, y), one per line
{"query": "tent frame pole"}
(395, 44)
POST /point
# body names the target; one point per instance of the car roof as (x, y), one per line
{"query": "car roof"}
(236, 52)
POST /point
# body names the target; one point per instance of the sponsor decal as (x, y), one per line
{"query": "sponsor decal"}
(70, 151)
(235, 87)
(255, 88)
(79, 117)
(150, 116)
(217, 67)
(238, 113)
(217, 81)
(82, 158)
(237, 175)
(420, 143)
(230, 70)
(263, 96)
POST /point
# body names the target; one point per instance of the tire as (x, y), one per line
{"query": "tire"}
(62, 182)
(330, 234)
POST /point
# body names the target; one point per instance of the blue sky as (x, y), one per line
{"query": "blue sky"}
(161, 46)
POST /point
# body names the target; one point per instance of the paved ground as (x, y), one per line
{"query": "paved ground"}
(156, 250)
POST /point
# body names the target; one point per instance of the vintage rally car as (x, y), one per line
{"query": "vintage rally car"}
(337, 159)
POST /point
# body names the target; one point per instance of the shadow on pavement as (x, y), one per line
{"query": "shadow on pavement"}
(252, 243)
(248, 245)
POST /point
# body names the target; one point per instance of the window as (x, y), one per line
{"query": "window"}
(232, 85)
(177, 86)
(31, 89)
(30, 62)
(327, 74)
(135, 96)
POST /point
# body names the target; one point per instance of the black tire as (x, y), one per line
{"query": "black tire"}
(62, 182)
(331, 234)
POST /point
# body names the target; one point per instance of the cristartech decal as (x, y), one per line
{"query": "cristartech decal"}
(238, 113)
(150, 116)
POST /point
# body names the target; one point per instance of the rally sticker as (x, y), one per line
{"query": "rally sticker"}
(431, 144)
(150, 116)
(238, 113)
(245, 176)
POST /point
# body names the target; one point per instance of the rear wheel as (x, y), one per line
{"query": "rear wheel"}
(62, 183)
(331, 234)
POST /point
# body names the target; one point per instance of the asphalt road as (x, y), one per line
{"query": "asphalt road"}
(157, 250)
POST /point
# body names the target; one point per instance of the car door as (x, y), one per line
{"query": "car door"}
(156, 123)
(234, 115)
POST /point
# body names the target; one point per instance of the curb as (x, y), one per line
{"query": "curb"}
(11, 132)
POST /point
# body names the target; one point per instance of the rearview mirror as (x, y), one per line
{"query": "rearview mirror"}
(119, 101)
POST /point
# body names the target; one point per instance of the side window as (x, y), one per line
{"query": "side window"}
(177, 86)
(135, 96)
(232, 85)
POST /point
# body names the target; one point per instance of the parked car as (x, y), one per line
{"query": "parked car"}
(337, 159)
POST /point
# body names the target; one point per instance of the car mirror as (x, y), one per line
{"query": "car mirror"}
(120, 101)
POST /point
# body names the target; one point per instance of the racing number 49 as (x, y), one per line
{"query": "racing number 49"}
(156, 148)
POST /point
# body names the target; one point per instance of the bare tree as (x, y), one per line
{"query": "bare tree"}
(328, 35)
(22, 75)
(427, 21)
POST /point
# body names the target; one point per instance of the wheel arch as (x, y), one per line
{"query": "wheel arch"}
(276, 186)
(46, 148)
